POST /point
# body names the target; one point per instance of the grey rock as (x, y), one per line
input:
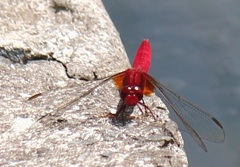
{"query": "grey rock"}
(71, 42)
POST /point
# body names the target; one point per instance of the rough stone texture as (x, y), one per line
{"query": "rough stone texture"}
(77, 33)
(75, 40)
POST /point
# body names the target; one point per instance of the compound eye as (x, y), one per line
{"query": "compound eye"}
(131, 95)
(136, 89)
(125, 91)
(138, 92)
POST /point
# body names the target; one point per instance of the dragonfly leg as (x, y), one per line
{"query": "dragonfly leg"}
(147, 109)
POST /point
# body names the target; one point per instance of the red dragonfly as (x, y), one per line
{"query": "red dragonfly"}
(135, 82)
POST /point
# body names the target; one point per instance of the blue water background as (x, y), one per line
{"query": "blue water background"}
(195, 47)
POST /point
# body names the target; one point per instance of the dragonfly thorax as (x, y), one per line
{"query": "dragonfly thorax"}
(131, 95)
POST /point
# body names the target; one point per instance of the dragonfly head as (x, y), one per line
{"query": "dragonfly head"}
(131, 95)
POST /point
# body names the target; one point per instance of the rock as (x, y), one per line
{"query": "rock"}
(62, 49)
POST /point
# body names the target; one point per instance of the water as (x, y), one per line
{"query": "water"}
(195, 47)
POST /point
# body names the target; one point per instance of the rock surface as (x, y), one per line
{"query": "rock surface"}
(71, 43)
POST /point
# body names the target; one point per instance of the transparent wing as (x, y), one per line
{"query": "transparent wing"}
(63, 107)
(199, 124)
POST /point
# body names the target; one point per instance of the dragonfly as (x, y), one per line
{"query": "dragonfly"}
(135, 83)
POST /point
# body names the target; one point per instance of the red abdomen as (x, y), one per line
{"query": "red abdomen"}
(143, 56)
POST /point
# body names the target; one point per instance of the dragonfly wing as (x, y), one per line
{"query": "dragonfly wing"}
(61, 108)
(118, 79)
(199, 123)
(75, 100)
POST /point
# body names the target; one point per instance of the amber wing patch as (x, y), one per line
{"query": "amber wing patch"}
(148, 88)
(118, 80)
